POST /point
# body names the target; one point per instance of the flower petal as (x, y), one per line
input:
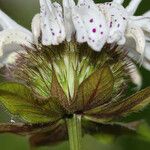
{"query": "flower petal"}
(59, 15)
(36, 29)
(69, 27)
(146, 65)
(118, 1)
(7, 23)
(10, 57)
(146, 62)
(147, 14)
(136, 56)
(147, 50)
(81, 34)
(51, 23)
(10, 43)
(132, 7)
(135, 75)
(90, 24)
(137, 34)
(117, 18)
(142, 21)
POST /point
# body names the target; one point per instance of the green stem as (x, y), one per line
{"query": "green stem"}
(74, 132)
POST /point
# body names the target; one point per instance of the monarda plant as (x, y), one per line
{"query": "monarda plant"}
(70, 76)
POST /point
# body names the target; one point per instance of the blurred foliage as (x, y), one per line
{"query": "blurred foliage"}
(22, 11)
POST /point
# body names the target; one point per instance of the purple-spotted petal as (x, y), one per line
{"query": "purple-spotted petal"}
(51, 23)
(117, 18)
(90, 24)
(59, 15)
(81, 34)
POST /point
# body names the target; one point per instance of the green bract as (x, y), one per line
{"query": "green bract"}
(54, 84)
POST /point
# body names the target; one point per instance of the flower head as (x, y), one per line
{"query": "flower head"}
(72, 66)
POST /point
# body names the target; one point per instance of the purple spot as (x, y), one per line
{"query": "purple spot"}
(110, 24)
(83, 37)
(60, 31)
(124, 18)
(100, 25)
(53, 33)
(93, 41)
(94, 30)
(102, 33)
(118, 25)
(91, 20)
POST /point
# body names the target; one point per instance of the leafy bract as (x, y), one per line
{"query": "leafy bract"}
(57, 92)
(96, 89)
(19, 100)
(115, 109)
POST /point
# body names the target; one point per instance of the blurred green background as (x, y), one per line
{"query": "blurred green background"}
(22, 11)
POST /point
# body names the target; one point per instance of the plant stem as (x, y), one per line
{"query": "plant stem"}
(74, 132)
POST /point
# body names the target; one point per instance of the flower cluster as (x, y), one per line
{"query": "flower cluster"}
(93, 23)
(73, 67)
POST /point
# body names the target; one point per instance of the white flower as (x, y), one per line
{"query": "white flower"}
(144, 23)
(12, 36)
(133, 32)
(47, 26)
(90, 24)
(96, 24)
(121, 23)
(51, 23)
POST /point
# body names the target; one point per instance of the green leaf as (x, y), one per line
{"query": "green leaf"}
(96, 89)
(54, 107)
(39, 134)
(39, 79)
(49, 137)
(123, 107)
(26, 129)
(113, 128)
(16, 128)
(19, 100)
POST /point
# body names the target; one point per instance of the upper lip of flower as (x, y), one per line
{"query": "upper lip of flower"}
(105, 23)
